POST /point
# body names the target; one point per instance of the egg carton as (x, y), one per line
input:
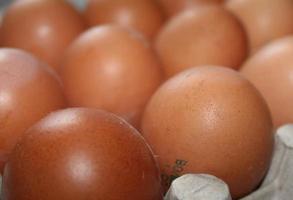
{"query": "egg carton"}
(278, 184)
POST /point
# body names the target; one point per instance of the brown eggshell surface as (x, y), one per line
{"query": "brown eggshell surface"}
(44, 28)
(142, 15)
(112, 68)
(29, 90)
(82, 154)
(264, 20)
(173, 7)
(210, 120)
(271, 70)
(205, 35)
(0, 28)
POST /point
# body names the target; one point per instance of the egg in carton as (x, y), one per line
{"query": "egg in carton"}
(278, 184)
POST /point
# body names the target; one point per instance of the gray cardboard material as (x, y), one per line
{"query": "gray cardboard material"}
(278, 184)
(198, 187)
(80, 4)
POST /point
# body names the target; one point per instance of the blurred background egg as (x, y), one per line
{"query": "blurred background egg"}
(173, 7)
(29, 89)
(43, 27)
(271, 71)
(264, 20)
(143, 15)
(80, 153)
(210, 120)
(205, 35)
(111, 68)
(0, 28)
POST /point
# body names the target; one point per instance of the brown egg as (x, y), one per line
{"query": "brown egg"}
(44, 28)
(264, 20)
(271, 70)
(205, 35)
(112, 68)
(142, 15)
(29, 90)
(173, 7)
(82, 154)
(210, 120)
(0, 28)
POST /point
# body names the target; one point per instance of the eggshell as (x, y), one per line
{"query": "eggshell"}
(112, 68)
(44, 28)
(82, 154)
(271, 70)
(142, 15)
(264, 20)
(205, 35)
(173, 7)
(210, 120)
(29, 89)
(0, 28)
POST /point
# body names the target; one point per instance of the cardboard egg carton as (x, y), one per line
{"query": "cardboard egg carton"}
(198, 187)
(278, 184)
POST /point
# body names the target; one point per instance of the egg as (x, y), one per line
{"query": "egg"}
(0, 28)
(43, 27)
(264, 20)
(173, 7)
(143, 15)
(29, 89)
(112, 68)
(270, 70)
(210, 120)
(82, 154)
(205, 35)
